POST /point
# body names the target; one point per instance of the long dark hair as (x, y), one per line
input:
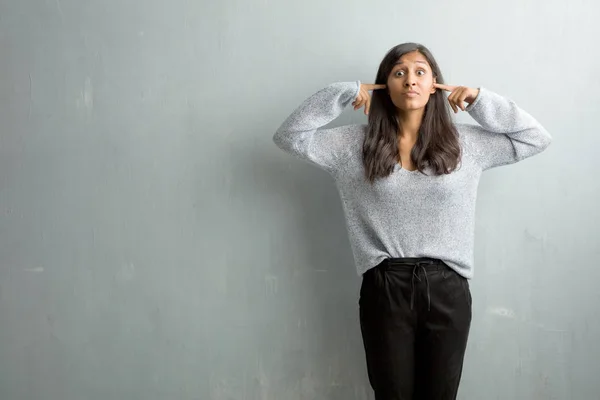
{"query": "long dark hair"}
(437, 144)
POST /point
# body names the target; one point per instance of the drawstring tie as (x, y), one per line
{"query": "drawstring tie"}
(415, 275)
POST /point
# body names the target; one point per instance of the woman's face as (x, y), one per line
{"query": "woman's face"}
(411, 82)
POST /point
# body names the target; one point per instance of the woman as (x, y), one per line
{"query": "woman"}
(408, 183)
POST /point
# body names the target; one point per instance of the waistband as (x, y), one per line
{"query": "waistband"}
(410, 262)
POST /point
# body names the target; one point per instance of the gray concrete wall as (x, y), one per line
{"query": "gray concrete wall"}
(155, 244)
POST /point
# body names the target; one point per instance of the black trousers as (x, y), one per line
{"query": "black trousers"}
(415, 315)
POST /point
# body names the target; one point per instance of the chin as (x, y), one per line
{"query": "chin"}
(410, 106)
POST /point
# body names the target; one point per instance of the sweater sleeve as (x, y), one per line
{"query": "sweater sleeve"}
(301, 134)
(506, 134)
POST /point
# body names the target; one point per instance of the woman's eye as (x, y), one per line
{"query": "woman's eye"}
(419, 73)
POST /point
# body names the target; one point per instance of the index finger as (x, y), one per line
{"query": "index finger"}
(449, 88)
(375, 86)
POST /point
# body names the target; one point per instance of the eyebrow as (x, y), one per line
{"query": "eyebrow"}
(400, 62)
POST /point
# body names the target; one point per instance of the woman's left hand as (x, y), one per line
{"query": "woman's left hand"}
(459, 95)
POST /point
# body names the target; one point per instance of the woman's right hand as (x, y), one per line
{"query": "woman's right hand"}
(364, 97)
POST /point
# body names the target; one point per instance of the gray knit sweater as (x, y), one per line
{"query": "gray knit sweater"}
(408, 214)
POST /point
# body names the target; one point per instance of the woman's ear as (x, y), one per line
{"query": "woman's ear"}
(432, 85)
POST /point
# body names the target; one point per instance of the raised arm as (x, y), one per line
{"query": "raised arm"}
(506, 133)
(301, 134)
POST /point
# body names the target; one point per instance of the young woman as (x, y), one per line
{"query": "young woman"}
(408, 183)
